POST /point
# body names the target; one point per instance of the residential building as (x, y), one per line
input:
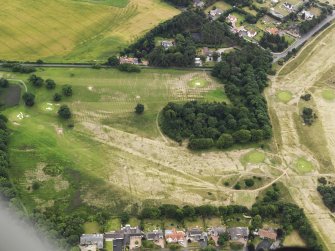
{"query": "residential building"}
(306, 15)
(237, 233)
(267, 234)
(174, 236)
(198, 4)
(92, 240)
(167, 44)
(288, 6)
(128, 60)
(251, 33)
(196, 234)
(273, 31)
(197, 62)
(215, 13)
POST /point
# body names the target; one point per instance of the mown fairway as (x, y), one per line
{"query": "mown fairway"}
(72, 31)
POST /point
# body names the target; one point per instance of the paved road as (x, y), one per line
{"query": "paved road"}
(304, 38)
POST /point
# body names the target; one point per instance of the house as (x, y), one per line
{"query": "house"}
(127, 235)
(128, 60)
(231, 19)
(237, 233)
(88, 248)
(267, 234)
(274, 1)
(288, 6)
(251, 33)
(306, 15)
(173, 236)
(157, 237)
(197, 62)
(195, 234)
(215, 13)
(215, 232)
(198, 4)
(273, 31)
(167, 44)
(92, 240)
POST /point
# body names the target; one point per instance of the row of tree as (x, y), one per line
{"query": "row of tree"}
(7, 190)
(244, 74)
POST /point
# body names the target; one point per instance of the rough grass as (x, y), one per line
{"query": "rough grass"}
(75, 31)
(294, 240)
(217, 95)
(115, 3)
(197, 83)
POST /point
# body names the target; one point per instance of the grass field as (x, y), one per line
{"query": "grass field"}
(75, 31)
(95, 167)
(328, 94)
(303, 166)
(91, 227)
(294, 240)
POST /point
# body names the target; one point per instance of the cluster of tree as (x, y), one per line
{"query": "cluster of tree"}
(181, 55)
(306, 97)
(129, 68)
(7, 190)
(39, 82)
(244, 74)
(239, 3)
(308, 115)
(179, 3)
(275, 43)
(189, 212)
(19, 68)
(289, 215)
(28, 98)
(328, 196)
(307, 25)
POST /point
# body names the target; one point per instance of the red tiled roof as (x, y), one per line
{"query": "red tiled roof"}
(267, 234)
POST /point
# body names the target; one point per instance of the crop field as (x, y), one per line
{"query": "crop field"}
(75, 31)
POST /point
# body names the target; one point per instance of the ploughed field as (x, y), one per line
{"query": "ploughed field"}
(75, 30)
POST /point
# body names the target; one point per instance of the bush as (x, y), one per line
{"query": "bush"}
(129, 68)
(4, 83)
(67, 90)
(57, 97)
(139, 109)
(36, 185)
(29, 99)
(113, 61)
(237, 186)
(249, 182)
(64, 112)
(201, 143)
(225, 141)
(50, 84)
(36, 81)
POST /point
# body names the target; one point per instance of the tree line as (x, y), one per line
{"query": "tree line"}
(328, 196)
(244, 74)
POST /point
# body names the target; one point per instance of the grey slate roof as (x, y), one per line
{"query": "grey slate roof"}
(236, 233)
(92, 239)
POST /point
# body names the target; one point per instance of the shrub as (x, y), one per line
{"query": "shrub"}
(201, 143)
(129, 68)
(225, 141)
(57, 97)
(249, 182)
(4, 83)
(237, 186)
(50, 84)
(113, 61)
(29, 99)
(64, 112)
(36, 185)
(139, 109)
(67, 90)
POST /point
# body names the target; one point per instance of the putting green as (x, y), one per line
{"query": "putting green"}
(284, 96)
(253, 157)
(197, 83)
(328, 94)
(303, 166)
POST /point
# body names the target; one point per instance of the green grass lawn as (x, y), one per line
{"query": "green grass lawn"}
(197, 83)
(115, 3)
(217, 95)
(108, 246)
(253, 157)
(91, 227)
(284, 96)
(328, 94)
(302, 165)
